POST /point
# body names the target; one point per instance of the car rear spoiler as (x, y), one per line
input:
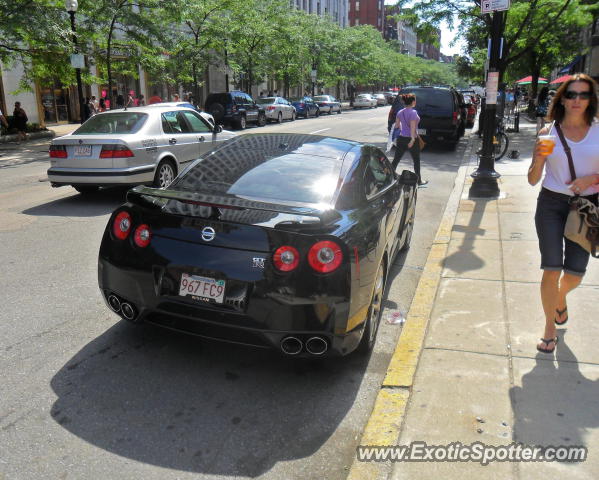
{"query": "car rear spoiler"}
(142, 194)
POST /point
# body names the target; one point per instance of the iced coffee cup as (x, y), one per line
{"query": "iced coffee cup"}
(546, 144)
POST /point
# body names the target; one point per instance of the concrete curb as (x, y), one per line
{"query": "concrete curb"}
(31, 136)
(385, 423)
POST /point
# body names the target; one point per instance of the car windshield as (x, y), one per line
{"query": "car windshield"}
(269, 170)
(117, 122)
(265, 100)
(431, 98)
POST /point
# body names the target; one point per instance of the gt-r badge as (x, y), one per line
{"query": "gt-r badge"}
(258, 262)
(208, 234)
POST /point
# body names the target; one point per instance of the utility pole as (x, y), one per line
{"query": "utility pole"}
(485, 177)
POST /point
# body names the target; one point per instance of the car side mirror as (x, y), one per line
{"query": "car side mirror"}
(408, 178)
(218, 128)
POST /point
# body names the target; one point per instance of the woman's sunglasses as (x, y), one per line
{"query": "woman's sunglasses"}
(571, 95)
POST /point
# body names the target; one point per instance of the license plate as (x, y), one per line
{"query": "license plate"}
(202, 288)
(83, 150)
(421, 131)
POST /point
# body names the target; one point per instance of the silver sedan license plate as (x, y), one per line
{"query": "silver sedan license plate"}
(202, 288)
(83, 150)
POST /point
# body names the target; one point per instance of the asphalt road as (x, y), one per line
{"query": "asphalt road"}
(86, 395)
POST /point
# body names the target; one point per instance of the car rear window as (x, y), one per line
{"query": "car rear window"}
(265, 101)
(321, 98)
(431, 98)
(121, 123)
(308, 173)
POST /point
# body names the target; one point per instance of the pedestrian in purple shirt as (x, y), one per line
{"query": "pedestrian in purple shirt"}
(405, 134)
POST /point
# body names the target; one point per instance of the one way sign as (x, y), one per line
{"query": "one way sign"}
(488, 6)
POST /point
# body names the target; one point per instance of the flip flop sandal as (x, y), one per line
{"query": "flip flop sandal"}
(560, 313)
(547, 341)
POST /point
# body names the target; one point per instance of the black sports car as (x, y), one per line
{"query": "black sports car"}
(271, 240)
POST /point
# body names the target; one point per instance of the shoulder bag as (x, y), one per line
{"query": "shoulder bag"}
(582, 224)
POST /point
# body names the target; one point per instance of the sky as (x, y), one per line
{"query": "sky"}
(446, 37)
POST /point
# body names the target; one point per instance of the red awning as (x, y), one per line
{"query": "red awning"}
(529, 80)
(562, 79)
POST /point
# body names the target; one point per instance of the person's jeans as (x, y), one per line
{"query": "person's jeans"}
(557, 252)
(401, 145)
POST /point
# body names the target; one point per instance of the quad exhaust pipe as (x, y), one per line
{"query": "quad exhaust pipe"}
(123, 308)
(314, 345)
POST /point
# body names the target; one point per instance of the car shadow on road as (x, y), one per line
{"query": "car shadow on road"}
(89, 205)
(178, 402)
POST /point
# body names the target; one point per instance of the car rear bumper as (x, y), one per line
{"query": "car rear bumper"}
(100, 176)
(262, 321)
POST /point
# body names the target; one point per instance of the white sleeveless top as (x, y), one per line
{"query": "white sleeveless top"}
(585, 155)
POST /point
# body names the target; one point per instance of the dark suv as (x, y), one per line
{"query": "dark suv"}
(236, 109)
(442, 113)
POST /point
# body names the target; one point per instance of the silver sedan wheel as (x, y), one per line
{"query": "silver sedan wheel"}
(166, 175)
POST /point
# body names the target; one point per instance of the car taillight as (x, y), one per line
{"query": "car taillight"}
(270, 108)
(115, 151)
(234, 108)
(302, 105)
(121, 225)
(142, 236)
(286, 258)
(58, 151)
(325, 256)
(455, 117)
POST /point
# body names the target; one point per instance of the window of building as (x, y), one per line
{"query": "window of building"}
(357, 6)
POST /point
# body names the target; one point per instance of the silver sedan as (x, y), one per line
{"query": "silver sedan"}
(140, 145)
(277, 108)
(364, 100)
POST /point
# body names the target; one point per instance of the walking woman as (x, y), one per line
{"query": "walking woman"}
(406, 136)
(574, 111)
(542, 106)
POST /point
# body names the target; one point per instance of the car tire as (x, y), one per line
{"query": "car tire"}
(165, 173)
(293, 116)
(86, 189)
(339, 111)
(409, 226)
(261, 119)
(217, 110)
(375, 309)
(331, 111)
(280, 117)
(241, 123)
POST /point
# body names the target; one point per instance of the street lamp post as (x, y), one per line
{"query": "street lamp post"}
(485, 177)
(71, 6)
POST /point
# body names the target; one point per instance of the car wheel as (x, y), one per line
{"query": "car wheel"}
(86, 189)
(339, 111)
(280, 118)
(165, 174)
(374, 312)
(292, 116)
(330, 110)
(217, 110)
(262, 119)
(241, 123)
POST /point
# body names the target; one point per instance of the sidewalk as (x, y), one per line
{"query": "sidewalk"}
(51, 132)
(466, 368)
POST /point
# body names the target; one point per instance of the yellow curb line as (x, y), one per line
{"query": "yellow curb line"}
(384, 425)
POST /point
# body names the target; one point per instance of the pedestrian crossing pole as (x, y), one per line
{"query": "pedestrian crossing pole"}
(485, 177)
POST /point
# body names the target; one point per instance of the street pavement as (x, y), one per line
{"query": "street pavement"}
(466, 368)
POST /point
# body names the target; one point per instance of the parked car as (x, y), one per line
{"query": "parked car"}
(206, 115)
(380, 98)
(441, 111)
(364, 100)
(236, 109)
(305, 107)
(297, 263)
(328, 104)
(277, 108)
(390, 96)
(139, 145)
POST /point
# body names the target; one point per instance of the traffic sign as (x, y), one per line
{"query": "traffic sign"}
(488, 6)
